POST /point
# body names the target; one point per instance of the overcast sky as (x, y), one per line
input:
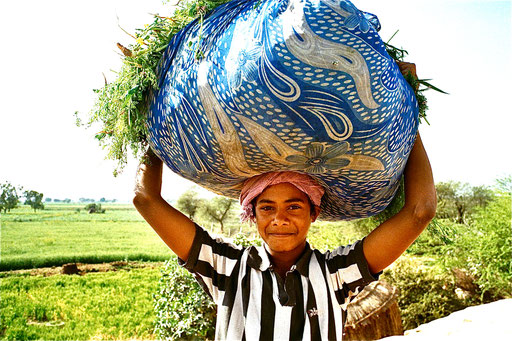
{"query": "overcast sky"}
(54, 53)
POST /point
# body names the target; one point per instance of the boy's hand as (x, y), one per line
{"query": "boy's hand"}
(175, 229)
(408, 68)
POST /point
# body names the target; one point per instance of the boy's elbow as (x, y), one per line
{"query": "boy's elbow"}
(140, 200)
(426, 211)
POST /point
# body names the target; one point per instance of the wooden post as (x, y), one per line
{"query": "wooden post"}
(373, 314)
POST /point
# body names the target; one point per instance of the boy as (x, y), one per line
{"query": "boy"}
(285, 290)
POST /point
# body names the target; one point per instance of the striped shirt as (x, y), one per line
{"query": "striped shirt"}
(254, 303)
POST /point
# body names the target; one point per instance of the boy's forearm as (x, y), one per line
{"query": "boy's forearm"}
(420, 191)
(390, 239)
(175, 229)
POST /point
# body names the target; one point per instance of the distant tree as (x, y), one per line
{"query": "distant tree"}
(82, 200)
(94, 208)
(34, 199)
(103, 200)
(218, 210)
(57, 200)
(457, 200)
(9, 197)
(504, 184)
(47, 199)
(189, 203)
(67, 200)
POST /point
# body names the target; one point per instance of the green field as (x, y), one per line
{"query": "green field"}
(96, 306)
(116, 301)
(62, 234)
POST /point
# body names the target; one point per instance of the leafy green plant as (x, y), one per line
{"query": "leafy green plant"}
(483, 248)
(418, 85)
(426, 292)
(121, 105)
(183, 310)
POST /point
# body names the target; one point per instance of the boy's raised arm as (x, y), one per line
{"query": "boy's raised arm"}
(390, 239)
(175, 229)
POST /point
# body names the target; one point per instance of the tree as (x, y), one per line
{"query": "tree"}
(9, 197)
(504, 184)
(189, 203)
(218, 210)
(34, 199)
(459, 200)
(47, 199)
(94, 208)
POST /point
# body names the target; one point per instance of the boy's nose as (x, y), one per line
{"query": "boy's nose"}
(280, 217)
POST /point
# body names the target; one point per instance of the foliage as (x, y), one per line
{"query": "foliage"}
(189, 203)
(113, 305)
(34, 199)
(484, 248)
(121, 105)
(9, 197)
(419, 86)
(324, 235)
(426, 293)
(504, 184)
(457, 201)
(59, 235)
(94, 208)
(218, 210)
(183, 310)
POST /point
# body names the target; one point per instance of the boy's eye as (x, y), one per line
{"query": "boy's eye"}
(266, 208)
(295, 207)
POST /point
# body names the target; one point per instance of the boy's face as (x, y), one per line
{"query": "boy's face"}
(283, 217)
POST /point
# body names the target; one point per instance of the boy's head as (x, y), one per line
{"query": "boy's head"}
(283, 205)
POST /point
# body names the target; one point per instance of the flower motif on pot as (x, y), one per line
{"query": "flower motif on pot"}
(318, 159)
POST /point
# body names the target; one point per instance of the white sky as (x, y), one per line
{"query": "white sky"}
(54, 52)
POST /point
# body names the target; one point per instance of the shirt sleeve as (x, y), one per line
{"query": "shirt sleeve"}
(349, 271)
(211, 261)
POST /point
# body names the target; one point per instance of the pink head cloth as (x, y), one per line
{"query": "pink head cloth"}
(256, 185)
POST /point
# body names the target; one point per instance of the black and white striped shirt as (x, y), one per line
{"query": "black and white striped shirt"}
(254, 303)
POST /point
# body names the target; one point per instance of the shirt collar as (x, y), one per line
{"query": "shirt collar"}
(259, 259)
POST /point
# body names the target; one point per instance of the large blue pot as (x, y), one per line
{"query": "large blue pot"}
(301, 85)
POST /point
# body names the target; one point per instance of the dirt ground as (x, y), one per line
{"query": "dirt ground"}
(84, 268)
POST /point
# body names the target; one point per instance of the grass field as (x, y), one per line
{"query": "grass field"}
(96, 306)
(62, 234)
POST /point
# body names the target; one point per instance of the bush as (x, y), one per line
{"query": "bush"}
(426, 292)
(483, 249)
(183, 309)
(94, 208)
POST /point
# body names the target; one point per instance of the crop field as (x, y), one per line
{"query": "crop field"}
(113, 302)
(101, 306)
(62, 234)
(103, 302)
(120, 259)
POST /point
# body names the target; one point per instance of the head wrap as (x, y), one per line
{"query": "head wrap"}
(256, 185)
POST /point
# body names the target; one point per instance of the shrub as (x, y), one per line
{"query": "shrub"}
(94, 208)
(484, 249)
(426, 292)
(183, 309)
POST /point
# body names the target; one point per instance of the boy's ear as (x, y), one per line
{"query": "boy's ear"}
(316, 212)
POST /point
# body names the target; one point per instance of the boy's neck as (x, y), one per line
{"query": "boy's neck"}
(283, 261)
